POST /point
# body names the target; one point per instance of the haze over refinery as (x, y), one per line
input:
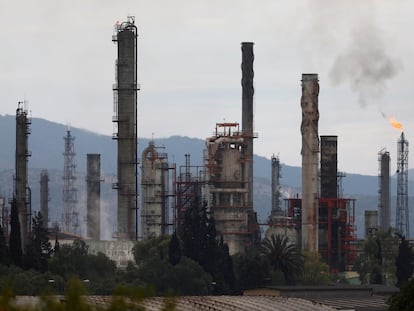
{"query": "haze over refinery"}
(59, 56)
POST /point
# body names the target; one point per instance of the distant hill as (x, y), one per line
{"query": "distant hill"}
(47, 145)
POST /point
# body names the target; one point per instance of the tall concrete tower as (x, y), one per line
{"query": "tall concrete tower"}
(155, 192)
(125, 120)
(22, 191)
(44, 197)
(93, 199)
(402, 223)
(384, 190)
(310, 152)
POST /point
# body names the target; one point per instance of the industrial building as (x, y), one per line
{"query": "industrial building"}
(335, 225)
(229, 169)
(125, 128)
(155, 192)
(227, 179)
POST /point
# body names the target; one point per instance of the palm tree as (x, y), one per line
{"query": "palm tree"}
(283, 256)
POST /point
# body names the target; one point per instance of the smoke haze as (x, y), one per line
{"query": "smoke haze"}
(365, 66)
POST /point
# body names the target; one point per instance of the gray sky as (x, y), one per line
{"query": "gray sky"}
(58, 55)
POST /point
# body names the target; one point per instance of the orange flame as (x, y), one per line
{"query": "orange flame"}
(395, 124)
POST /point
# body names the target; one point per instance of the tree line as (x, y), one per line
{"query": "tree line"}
(192, 261)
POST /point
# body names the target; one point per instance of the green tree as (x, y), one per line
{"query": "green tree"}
(15, 241)
(283, 256)
(377, 264)
(174, 251)
(404, 299)
(404, 262)
(251, 270)
(4, 250)
(315, 272)
(39, 248)
(200, 243)
(146, 250)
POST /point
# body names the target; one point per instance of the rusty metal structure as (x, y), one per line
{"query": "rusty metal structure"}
(155, 192)
(70, 215)
(402, 223)
(93, 196)
(310, 153)
(44, 197)
(189, 183)
(384, 204)
(227, 179)
(125, 128)
(22, 191)
(336, 232)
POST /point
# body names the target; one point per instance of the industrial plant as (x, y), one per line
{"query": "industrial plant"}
(154, 194)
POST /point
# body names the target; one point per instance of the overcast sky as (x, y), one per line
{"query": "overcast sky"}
(58, 55)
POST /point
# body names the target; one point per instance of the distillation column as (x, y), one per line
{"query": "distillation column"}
(93, 199)
(125, 118)
(22, 191)
(154, 192)
(310, 150)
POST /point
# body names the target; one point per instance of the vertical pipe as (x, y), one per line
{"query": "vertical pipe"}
(21, 190)
(310, 150)
(93, 188)
(44, 197)
(247, 110)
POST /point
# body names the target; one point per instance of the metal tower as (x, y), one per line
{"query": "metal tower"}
(125, 128)
(22, 191)
(402, 220)
(70, 221)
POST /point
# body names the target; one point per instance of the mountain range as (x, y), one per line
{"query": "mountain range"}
(46, 144)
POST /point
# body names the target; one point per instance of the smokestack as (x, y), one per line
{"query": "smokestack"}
(44, 197)
(22, 191)
(329, 167)
(385, 190)
(247, 110)
(93, 187)
(310, 150)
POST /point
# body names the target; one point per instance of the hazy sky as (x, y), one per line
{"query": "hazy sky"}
(58, 55)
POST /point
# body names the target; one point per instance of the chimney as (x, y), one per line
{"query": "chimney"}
(247, 110)
(310, 150)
